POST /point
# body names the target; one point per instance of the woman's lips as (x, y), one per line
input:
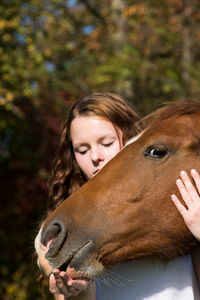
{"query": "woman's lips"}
(95, 172)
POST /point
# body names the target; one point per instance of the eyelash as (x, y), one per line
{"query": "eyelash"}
(105, 145)
(108, 144)
(83, 152)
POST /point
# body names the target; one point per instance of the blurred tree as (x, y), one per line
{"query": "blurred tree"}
(48, 48)
(52, 52)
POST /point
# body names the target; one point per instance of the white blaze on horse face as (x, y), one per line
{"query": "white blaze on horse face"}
(135, 138)
(37, 242)
(41, 251)
(38, 245)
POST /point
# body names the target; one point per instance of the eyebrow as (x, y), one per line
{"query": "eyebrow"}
(76, 146)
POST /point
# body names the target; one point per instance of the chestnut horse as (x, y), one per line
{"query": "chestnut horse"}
(125, 211)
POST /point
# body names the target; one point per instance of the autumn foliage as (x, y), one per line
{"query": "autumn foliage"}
(52, 52)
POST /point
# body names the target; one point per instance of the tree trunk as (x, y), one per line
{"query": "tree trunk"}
(187, 54)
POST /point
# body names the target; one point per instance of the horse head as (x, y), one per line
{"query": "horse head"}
(125, 211)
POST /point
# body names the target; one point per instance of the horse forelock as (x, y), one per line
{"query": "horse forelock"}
(169, 110)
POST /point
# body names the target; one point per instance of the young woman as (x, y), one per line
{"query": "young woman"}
(97, 127)
(96, 130)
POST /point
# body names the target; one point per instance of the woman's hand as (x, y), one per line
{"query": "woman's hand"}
(190, 194)
(61, 283)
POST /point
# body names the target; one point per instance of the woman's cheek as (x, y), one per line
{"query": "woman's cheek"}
(84, 164)
(115, 150)
(80, 160)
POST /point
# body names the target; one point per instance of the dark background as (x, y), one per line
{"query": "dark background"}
(51, 53)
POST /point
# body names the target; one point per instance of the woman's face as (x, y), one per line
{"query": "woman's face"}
(95, 141)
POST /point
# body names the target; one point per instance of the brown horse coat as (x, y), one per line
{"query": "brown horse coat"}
(125, 211)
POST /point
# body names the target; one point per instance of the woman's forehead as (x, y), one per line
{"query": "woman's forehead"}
(91, 127)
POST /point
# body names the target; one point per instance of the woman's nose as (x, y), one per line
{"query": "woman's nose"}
(97, 155)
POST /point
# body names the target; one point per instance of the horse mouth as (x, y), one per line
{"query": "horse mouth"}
(64, 267)
(75, 260)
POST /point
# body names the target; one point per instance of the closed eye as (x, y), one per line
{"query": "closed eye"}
(156, 151)
(82, 152)
(107, 144)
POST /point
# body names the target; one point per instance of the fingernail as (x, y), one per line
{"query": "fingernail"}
(178, 181)
(183, 173)
(173, 196)
(193, 171)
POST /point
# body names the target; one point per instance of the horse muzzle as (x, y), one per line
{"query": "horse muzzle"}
(55, 250)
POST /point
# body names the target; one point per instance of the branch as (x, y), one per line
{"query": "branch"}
(94, 11)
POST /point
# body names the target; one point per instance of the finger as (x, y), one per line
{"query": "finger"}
(181, 208)
(69, 291)
(73, 282)
(195, 175)
(183, 191)
(78, 283)
(62, 280)
(56, 271)
(70, 281)
(81, 282)
(59, 280)
(189, 185)
(52, 285)
(66, 279)
(72, 290)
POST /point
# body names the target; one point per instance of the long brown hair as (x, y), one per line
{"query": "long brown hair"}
(66, 175)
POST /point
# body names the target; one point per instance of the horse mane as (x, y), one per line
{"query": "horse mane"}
(167, 111)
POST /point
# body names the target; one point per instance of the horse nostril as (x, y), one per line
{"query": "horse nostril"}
(55, 231)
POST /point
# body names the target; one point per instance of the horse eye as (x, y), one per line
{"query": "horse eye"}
(156, 151)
